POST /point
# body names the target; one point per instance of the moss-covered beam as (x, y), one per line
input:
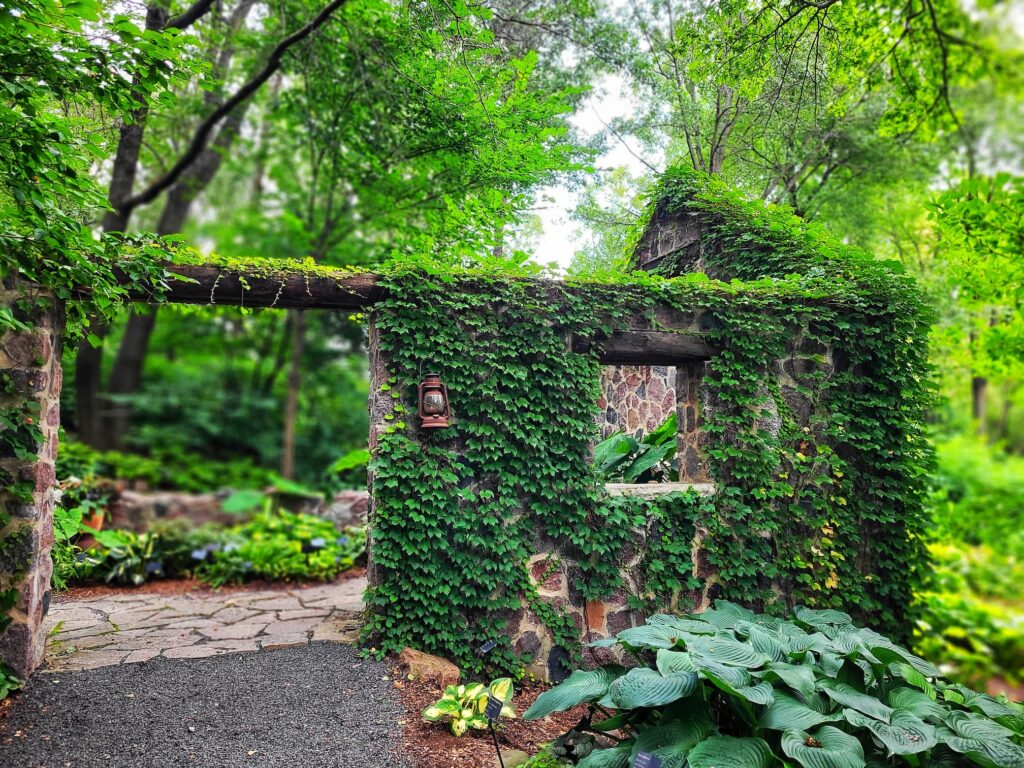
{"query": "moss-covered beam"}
(267, 287)
(665, 337)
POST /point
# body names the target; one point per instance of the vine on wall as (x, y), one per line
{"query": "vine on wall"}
(824, 511)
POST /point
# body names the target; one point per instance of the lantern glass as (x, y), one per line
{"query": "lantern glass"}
(433, 402)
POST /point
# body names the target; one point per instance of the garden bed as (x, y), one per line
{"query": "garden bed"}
(432, 745)
(184, 586)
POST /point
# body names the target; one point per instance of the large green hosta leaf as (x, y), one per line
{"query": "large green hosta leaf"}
(671, 742)
(726, 649)
(913, 700)
(765, 641)
(674, 661)
(730, 752)
(735, 681)
(850, 697)
(580, 687)
(797, 676)
(651, 636)
(820, 619)
(973, 726)
(616, 757)
(611, 451)
(683, 624)
(994, 753)
(904, 734)
(726, 615)
(915, 678)
(892, 654)
(643, 687)
(786, 713)
(827, 747)
(994, 707)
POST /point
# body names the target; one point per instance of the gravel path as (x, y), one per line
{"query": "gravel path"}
(318, 705)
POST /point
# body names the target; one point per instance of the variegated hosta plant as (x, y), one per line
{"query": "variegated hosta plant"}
(729, 688)
(465, 704)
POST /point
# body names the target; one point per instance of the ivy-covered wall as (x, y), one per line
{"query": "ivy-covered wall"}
(812, 431)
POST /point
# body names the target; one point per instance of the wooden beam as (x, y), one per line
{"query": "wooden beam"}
(213, 285)
(641, 347)
(209, 284)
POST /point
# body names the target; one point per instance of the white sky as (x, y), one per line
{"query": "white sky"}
(561, 237)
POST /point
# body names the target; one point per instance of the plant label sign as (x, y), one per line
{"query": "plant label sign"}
(493, 710)
(647, 760)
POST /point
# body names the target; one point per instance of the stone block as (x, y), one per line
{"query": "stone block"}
(418, 665)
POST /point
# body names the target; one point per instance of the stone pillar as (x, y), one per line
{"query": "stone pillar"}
(30, 382)
(693, 466)
(381, 403)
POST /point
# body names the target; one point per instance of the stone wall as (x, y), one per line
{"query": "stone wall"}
(636, 399)
(30, 377)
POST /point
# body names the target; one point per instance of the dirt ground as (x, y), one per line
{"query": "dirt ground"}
(432, 745)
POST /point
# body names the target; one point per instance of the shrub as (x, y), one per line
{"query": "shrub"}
(979, 498)
(729, 687)
(622, 457)
(282, 546)
(465, 705)
(168, 469)
(970, 625)
(274, 546)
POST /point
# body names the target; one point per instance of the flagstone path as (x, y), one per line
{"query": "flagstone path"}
(106, 630)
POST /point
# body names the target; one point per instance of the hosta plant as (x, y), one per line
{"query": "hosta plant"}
(465, 704)
(623, 457)
(729, 688)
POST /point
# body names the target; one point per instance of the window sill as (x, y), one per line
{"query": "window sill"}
(646, 490)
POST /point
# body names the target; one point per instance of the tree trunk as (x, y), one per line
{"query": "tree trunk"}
(89, 406)
(979, 392)
(1004, 416)
(88, 380)
(291, 406)
(131, 355)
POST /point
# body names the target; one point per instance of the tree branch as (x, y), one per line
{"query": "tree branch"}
(244, 92)
(184, 20)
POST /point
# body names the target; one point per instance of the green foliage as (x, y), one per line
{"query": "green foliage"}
(457, 510)
(349, 471)
(281, 546)
(273, 546)
(163, 469)
(215, 383)
(979, 496)
(464, 705)
(735, 688)
(8, 682)
(621, 456)
(972, 621)
(55, 79)
(544, 759)
(127, 558)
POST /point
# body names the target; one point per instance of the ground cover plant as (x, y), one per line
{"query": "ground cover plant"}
(729, 687)
(275, 545)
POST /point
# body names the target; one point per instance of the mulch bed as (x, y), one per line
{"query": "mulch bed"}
(432, 745)
(185, 586)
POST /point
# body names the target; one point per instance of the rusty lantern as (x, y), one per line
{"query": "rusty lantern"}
(433, 411)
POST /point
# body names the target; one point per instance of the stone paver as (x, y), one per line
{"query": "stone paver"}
(108, 630)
